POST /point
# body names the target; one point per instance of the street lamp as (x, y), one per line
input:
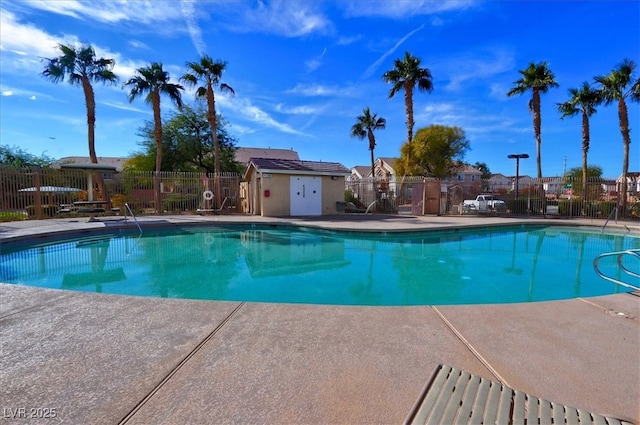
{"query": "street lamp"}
(517, 158)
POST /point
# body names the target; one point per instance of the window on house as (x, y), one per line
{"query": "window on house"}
(473, 177)
(460, 177)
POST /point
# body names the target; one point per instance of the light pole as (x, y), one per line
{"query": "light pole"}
(517, 158)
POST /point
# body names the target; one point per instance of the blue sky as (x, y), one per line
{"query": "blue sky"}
(304, 70)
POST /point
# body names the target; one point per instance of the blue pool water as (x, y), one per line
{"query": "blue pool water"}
(297, 265)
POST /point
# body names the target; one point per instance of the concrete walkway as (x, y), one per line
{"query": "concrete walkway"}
(94, 358)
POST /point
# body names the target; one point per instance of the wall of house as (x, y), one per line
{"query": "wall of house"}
(332, 192)
(279, 201)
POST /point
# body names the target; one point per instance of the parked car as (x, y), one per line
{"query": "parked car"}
(483, 203)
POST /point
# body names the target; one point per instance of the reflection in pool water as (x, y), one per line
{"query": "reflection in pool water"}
(275, 264)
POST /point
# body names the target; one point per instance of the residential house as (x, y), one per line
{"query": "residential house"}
(385, 168)
(244, 155)
(633, 182)
(361, 171)
(499, 183)
(552, 186)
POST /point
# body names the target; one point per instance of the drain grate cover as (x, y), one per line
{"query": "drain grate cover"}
(622, 314)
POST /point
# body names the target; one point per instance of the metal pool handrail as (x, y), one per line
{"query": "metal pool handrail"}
(613, 211)
(370, 206)
(620, 254)
(127, 207)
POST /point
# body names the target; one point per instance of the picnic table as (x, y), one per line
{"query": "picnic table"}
(90, 206)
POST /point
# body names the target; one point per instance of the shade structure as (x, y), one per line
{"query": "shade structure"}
(89, 169)
(51, 189)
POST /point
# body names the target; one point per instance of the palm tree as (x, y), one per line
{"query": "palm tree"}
(407, 75)
(364, 127)
(81, 67)
(153, 81)
(583, 101)
(539, 79)
(615, 87)
(208, 73)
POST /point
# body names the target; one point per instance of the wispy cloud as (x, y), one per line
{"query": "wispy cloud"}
(250, 112)
(402, 9)
(296, 110)
(27, 41)
(24, 47)
(316, 62)
(189, 13)
(125, 107)
(316, 90)
(475, 67)
(281, 17)
(109, 11)
(476, 123)
(15, 92)
(374, 66)
(345, 41)
(136, 44)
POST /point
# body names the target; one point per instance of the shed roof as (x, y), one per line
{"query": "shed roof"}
(286, 166)
(361, 170)
(103, 168)
(244, 155)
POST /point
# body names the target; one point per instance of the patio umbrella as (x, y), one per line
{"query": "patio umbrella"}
(50, 190)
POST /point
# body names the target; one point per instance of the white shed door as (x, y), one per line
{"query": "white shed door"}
(306, 195)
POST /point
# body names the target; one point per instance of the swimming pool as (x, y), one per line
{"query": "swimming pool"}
(300, 265)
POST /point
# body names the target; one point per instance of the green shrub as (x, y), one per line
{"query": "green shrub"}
(607, 207)
(570, 208)
(47, 210)
(348, 196)
(176, 202)
(12, 216)
(517, 206)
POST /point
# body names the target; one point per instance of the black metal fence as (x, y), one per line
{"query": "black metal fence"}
(36, 193)
(559, 196)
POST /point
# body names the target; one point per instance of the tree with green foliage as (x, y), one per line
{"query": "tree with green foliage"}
(152, 82)
(81, 67)
(575, 176)
(208, 73)
(486, 174)
(539, 79)
(407, 75)
(483, 168)
(187, 143)
(617, 86)
(582, 101)
(365, 125)
(436, 151)
(17, 157)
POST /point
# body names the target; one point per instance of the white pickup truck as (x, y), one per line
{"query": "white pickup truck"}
(483, 203)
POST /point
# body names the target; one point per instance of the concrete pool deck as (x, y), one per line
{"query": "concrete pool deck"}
(97, 358)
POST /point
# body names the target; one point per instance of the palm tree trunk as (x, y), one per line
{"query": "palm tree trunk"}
(90, 103)
(585, 150)
(211, 114)
(372, 144)
(408, 101)
(537, 124)
(157, 119)
(626, 141)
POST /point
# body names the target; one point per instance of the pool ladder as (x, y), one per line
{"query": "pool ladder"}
(128, 208)
(620, 256)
